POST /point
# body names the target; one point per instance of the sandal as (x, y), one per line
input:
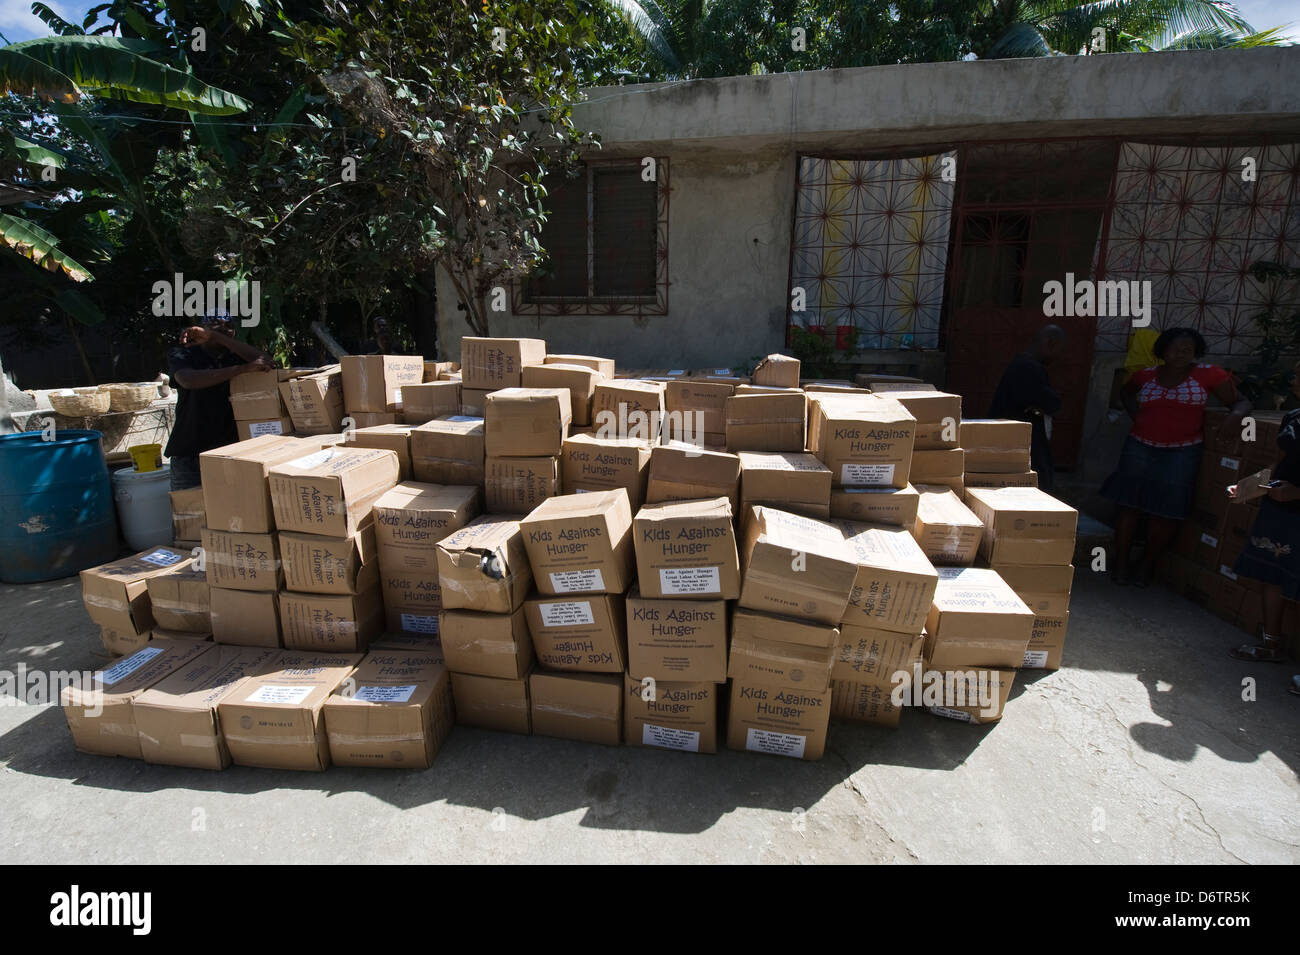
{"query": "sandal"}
(1270, 651)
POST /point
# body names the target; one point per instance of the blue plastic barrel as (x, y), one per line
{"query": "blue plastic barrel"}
(56, 506)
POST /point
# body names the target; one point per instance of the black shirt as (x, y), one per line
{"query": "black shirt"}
(204, 419)
(1288, 442)
(1025, 385)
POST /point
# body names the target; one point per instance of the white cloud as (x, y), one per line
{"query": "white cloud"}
(18, 23)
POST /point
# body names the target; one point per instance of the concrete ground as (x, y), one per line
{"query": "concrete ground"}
(1141, 750)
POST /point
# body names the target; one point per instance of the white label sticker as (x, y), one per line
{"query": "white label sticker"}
(722, 371)
(569, 581)
(867, 474)
(1209, 541)
(778, 744)
(689, 580)
(1231, 464)
(273, 693)
(1227, 572)
(265, 427)
(676, 371)
(669, 738)
(1035, 659)
(415, 623)
(162, 558)
(384, 694)
(397, 395)
(312, 460)
(571, 613)
(124, 668)
(462, 417)
(961, 715)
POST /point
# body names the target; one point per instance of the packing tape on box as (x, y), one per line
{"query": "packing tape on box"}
(105, 603)
(494, 646)
(345, 739)
(766, 420)
(200, 742)
(258, 740)
(179, 607)
(565, 711)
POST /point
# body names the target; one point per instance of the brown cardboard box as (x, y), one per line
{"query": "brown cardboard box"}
(448, 450)
(159, 633)
(895, 581)
(395, 712)
(428, 646)
(670, 715)
(996, 445)
(276, 720)
(441, 371)
(491, 703)
(411, 517)
(1023, 479)
(601, 464)
(331, 491)
(872, 379)
(586, 633)
(486, 644)
(836, 386)
(187, 513)
(1046, 642)
(1023, 525)
(766, 422)
(682, 640)
(865, 440)
(235, 492)
(473, 401)
(176, 718)
(697, 410)
(605, 366)
(242, 561)
(179, 599)
(331, 623)
(933, 408)
(935, 436)
(484, 566)
(863, 703)
(869, 656)
(945, 527)
(581, 543)
(374, 383)
(527, 422)
(687, 549)
(778, 651)
(793, 481)
(782, 721)
(1200, 538)
(1045, 589)
(390, 437)
(685, 472)
(256, 396)
(369, 419)
(938, 467)
(579, 380)
(491, 363)
(778, 371)
(628, 408)
(412, 600)
(122, 642)
(517, 485)
(246, 618)
(249, 429)
(1214, 443)
(964, 685)
(330, 565)
(795, 566)
(116, 594)
(976, 620)
(99, 713)
(581, 706)
(429, 400)
(1218, 471)
(892, 383)
(315, 402)
(876, 505)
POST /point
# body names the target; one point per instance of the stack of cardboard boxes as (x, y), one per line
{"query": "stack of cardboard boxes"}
(524, 432)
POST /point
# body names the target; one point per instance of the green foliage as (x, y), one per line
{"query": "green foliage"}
(818, 353)
(1270, 373)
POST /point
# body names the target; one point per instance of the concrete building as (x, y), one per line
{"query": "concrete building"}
(924, 207)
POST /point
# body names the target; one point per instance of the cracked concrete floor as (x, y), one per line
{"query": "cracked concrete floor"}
(1141, 750)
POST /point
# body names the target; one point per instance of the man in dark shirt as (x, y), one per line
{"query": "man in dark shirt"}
(1025, 394)
(201, 368)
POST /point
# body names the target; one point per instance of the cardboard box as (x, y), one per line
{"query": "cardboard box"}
(578, 380)
(871, 379)
(236, 496)
(976, 620)
(389, 437)
(589, 464)
(315, 402)
(866, 655)
(245, 618)
(331, 491)
(1023, 479)
(966, 685)
(721, 376)
(440, 370)
(178, 599)
(116, 594)
(938, 467)
(449, 450)
(491, 703)
(795, 566)
(581, 543)
(411, 517)
(1200, 537)
(484, 566)
(581, 706)
(766, 422)
(276, 718)
(1046, 642)
(429, 646)
(374, 383)
(1218, 472)
(256, 396)
(1045, 588)
(1023, 525)
(945, 527)
(486, 644)
(687, 549)
(895, 581)
(412, 600)
(605, 366)
(123, 642)
(491, 363)
(782, 721)
(395, 712)
(933, 407)
(331, 623)
(429, 400)
(248, 430)
(583, 633)
(473, 401)
(670, 715)
(517, 485)
(159, 633)
(777, 371)
(865, 440)
(685, 472)
(187, 513)
(892, 383)
(779, 651)
(527, 422)
(864, 703)
(697, 410)
(99, 713)
(996, 445)
(895, 506)
(176, 718)
(793, 481)
(242, 561)
(833, 385)
(1214, 443)
(628, 408)
(330, 565)
(683, 640)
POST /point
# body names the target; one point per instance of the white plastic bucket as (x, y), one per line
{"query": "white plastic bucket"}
(143, 507)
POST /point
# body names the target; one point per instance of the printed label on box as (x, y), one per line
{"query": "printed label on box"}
(265, 427)
(567, 581)
(1231, 464)
(1227, 572)
(416, 623)
(462, 417)
(867, 474)
(572, 613)
(1035, 659)
(669, 738)
(1209, 541)
(961, 715)
(778, 744)
(716, 371)
(273, 693)
(161, 558)
(312, 460)
(385, 694)
(124, 668)
(689, 580)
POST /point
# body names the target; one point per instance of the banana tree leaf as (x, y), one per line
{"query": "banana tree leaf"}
(32, 242)
(1019, 39)
(78, 306)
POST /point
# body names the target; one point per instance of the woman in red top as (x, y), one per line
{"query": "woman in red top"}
(1157, 469)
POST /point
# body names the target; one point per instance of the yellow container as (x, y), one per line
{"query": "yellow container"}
(145, 456)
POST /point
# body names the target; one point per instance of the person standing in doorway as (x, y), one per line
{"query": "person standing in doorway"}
(1025, 394)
